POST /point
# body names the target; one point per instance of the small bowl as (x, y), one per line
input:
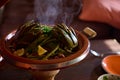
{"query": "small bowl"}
(109, 77)
(111, 64)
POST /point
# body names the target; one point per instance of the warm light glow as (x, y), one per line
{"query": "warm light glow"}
(113, 45)
(1, 58)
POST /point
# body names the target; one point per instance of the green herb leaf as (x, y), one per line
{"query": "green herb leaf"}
(105, 78)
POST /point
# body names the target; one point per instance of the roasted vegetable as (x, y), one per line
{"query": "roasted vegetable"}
(69, 36)
(43, 41)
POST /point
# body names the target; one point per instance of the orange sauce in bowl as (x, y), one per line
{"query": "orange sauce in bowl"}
(111, 64)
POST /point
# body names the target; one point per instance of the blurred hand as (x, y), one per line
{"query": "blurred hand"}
(107, 11)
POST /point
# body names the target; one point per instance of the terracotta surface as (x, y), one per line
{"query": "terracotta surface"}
(112, 64)
(46, 64)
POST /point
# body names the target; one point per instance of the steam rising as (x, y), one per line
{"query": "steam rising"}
(56, 11)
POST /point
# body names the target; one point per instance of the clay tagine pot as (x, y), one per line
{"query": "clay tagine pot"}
(45, 69)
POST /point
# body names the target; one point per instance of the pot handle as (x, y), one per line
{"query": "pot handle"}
(90, 33)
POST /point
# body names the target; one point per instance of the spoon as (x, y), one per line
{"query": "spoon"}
(103, 54)
(111, 64)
